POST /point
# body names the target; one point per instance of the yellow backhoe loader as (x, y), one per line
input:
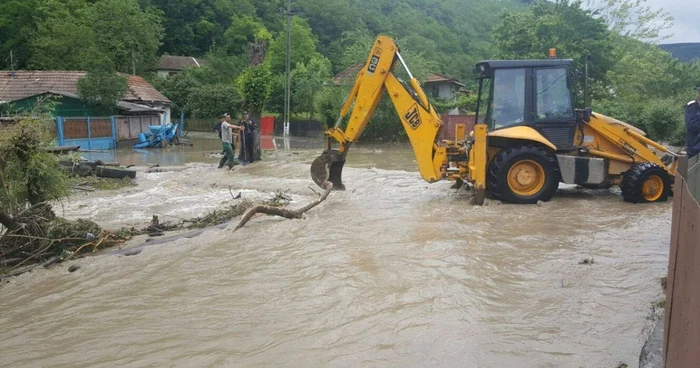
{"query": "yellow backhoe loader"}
(530, 139)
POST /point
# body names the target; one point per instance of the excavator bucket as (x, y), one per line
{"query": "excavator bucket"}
(328, 167)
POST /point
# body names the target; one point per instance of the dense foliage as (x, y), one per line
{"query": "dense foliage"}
(630, 77)
(28, 174)
(102, 87)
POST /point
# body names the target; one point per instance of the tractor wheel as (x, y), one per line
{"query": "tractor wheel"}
(523, 174)
(644, 183)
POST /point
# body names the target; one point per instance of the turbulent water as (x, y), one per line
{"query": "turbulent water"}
(392, 272)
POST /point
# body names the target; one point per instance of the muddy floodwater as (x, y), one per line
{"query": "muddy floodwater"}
(392, 272)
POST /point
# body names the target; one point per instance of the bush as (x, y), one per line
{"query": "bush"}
(663, 120)
(28, 174)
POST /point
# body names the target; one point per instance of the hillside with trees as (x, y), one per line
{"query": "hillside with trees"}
(630, 77)
(684, 52)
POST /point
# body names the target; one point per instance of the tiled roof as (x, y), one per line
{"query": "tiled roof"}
(348, 75)
(171, 62)
(142, 91)
(22, 84)
(437, 77)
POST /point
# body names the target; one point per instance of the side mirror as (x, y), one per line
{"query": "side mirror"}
(587, 113)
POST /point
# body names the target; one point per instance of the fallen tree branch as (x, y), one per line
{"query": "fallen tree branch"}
(290, 214)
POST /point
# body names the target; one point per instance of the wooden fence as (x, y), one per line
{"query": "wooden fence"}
(682, 312)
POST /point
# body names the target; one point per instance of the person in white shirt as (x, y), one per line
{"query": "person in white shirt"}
(227, 141)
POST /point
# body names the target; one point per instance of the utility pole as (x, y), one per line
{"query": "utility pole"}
(585, 85)
(133, 63)
(12, 66)
(287, 85)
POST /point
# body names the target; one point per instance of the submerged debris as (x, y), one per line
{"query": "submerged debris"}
(217, 217)
(587, 261)
(42, 239)
(91, 183)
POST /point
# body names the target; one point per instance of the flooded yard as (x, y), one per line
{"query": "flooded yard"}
(391, 272)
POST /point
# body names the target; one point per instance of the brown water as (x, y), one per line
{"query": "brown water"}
(392, 272)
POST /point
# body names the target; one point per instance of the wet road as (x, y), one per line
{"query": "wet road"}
(392, 272)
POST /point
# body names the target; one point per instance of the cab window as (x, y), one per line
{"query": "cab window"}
(553, 96)
(508, 98)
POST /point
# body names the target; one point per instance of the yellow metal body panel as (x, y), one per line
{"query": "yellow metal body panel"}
(477, 157)
(460, 132)
(422, 126)
(524, 133)
(620, 142)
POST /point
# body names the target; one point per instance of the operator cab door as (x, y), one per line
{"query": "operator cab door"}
(535, 97)
(552, 108)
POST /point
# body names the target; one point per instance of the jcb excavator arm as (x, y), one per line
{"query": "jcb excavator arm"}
(417, 115)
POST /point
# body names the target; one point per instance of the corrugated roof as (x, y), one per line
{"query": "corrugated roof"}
(22, 84)
(172, 62)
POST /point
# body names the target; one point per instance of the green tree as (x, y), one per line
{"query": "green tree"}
(214, 100)
(633, 18)
(304, 47)
(17, 22)
(116, 29)
(102, 87)
(63, 43)
(563, 25)
(254, 84)
(178, 89)
(308, 80)
(328, 102)
(241, 32)
(127, 35)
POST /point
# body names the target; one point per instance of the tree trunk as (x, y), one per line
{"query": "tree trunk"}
(7, 221)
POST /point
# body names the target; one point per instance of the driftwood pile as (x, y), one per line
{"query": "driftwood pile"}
(43, 239)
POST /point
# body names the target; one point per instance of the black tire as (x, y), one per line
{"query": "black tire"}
(497, 174)
(633, 183)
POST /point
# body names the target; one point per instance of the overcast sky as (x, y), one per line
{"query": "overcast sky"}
(686, 25)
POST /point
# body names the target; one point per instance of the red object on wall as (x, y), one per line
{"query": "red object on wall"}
(267, 131)
(267, 126)
(449, 122)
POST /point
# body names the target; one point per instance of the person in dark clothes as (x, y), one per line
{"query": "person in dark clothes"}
(692, 126)
(247, 141)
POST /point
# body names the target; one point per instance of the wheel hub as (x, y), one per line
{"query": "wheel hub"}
(652, 188)
(526, 177)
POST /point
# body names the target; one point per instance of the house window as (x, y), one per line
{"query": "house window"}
(436, 91)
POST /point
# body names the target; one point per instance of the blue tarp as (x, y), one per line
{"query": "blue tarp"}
(158, 136)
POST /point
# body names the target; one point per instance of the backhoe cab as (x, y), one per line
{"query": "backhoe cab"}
(529, 140)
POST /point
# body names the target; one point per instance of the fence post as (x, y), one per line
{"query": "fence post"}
(59, 130)
(114, 132)
(89, 134)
